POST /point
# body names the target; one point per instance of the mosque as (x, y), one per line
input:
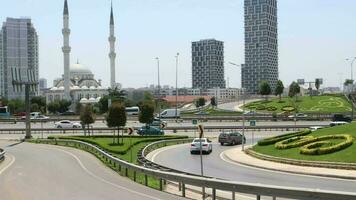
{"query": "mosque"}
(78, 83)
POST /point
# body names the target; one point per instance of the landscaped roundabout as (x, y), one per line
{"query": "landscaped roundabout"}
(330, 144)
(307, 104)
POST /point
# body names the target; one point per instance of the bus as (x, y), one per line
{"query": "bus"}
(132, 110)
(4, 112)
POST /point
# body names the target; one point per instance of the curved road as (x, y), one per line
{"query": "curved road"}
(41, 172)
(215, 166)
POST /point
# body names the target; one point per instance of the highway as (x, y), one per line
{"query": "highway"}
(42, 172)
(215, 166)
(169, 123)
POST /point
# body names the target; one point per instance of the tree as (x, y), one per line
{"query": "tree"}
(16, 106)
(53, 107)
(265, 89)
(35, 108)
(64, 105)
(146, 113)
(200, 102)
(87, 117)
(41, 103)
(213, 102)
(116, 118)
(279, 89)
(317, 85)
(294, 89)
(103, 104)
(348, 82)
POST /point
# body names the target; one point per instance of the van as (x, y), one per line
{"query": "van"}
(170, 113)
(132, 111)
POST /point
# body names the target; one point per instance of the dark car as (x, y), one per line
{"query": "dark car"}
(149, 130)
(341, 118)
(68, 113)
(231, 138)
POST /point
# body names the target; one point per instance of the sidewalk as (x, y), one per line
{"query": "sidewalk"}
(236, 155)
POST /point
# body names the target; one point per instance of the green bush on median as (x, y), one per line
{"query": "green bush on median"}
(320, 146)
(294, 142)
(273, 140)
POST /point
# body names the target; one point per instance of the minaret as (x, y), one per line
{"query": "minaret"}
(66, 51)
(112, 54)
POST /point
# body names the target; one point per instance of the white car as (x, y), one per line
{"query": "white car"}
(67, 124)
(298, 115)
(206, 146)
(315, 128)
(338, 123)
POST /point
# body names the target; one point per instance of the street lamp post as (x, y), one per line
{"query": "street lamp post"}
(352, 86)
(159, 91)
(177, 56)
(243, 110)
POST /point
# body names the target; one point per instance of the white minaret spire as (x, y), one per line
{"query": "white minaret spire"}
(66, 50)
(112, 54)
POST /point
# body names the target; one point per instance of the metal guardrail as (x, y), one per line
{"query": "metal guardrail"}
(2, 155)
(232, 186)
(170, 128)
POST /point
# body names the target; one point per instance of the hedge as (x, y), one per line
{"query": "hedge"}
(294, 142)
(273, 140)
(272, 108)
(122, 152)
(260, 107)
(316, 148)
(288, 108)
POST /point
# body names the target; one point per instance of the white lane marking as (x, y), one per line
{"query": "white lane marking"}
(101, 179)
(155, 154)
(9, 165)
(223, 157)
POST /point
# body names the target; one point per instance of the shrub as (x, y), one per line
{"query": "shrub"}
(273, 140)
(320, 147)
(288, 108)
(272, 108)
(260, 107)
(294, 142)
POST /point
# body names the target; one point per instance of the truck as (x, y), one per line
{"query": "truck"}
(170, 113)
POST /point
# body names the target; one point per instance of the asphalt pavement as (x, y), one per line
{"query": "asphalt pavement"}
(215, 166)
(42, 172)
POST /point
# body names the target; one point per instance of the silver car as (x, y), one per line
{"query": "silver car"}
(231, 138)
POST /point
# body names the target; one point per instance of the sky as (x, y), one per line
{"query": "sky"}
(315, 37)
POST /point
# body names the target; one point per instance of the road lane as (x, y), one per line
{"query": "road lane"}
(214, 166)
(50, 172)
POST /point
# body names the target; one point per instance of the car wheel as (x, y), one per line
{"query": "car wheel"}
(222, 144)
(75, 126)
(59, 126)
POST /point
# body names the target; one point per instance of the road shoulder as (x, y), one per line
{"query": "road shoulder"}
(237, 156)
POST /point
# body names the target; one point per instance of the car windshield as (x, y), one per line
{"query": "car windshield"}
(198, 140)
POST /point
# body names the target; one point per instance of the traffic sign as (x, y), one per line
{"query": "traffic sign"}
(163, 125)
(130, 131)
(253, 123)
(201, 131)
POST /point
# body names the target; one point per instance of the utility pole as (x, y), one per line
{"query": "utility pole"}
(177, 92)
(159, 91)
(28, 85)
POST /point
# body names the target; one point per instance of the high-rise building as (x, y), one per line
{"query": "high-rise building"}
(261, 44)
(18, 56)
(208, 64)
(43, 83)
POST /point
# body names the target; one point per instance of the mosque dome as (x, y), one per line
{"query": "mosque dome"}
(79, 69)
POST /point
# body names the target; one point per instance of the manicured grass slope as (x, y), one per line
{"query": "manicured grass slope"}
(347, 155)
(316, 104)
